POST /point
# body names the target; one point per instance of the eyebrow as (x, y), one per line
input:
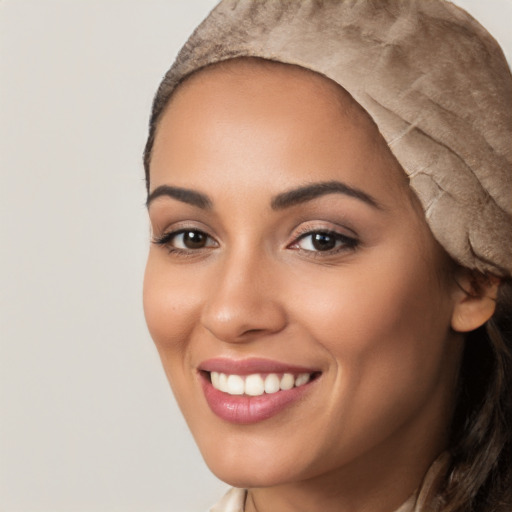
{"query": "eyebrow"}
(308, 192)
(184, 195)
(284, 200)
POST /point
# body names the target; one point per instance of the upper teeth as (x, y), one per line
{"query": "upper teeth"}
(255, 384)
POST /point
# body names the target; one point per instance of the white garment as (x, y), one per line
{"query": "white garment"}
(233, 501)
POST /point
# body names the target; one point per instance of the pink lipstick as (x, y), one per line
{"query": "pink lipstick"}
(252, 390)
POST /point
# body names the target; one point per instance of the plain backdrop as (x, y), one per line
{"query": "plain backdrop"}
(87, 421)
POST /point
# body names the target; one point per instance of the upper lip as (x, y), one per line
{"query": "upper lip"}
(250, 366)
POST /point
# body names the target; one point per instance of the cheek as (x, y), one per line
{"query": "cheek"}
(359, 310)
(171, 302)
(386, 325)
(387, 335)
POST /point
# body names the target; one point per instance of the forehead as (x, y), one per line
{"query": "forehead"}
(279, 74)
(254, 78)
(249, 109)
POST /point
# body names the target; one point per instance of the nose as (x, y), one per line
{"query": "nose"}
(244, 303)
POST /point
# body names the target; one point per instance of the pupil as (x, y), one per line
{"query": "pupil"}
(194, 240)
(323, 241)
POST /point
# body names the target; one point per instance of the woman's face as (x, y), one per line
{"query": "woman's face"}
(292, 266)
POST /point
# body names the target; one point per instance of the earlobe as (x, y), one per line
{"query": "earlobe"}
(475, 302)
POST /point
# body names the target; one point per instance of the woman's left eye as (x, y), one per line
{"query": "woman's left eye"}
(324, 241)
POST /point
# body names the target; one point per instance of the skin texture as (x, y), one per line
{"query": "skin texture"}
(375, 318)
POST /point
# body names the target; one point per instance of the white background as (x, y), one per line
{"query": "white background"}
(87, 422)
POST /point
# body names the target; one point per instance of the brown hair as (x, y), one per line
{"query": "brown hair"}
(480, 476)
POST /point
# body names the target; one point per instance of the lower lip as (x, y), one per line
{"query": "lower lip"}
(243, 409)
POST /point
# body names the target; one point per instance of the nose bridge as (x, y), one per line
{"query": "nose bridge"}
(243, 303)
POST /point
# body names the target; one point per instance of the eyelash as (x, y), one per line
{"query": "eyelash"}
(342, 242)
(166, 239)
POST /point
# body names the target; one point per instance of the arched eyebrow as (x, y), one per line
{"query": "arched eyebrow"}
(312, 191)
(184, 195)
(281, 201)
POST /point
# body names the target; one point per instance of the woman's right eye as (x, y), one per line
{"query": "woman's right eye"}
(185, 240)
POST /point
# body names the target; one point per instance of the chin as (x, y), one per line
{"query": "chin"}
(243, 475)
(251, 464)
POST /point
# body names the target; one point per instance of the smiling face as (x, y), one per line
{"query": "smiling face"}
(289, 246)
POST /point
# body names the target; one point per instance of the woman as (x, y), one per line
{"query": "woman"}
(329, 195)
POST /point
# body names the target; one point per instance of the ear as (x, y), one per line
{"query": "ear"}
(475, 300)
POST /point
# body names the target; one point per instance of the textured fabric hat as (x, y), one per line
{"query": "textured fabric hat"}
(432, 78)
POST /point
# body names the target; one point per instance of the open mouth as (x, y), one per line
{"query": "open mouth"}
(252, 390)
(258, 384)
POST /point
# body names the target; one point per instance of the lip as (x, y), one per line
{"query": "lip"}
(243, 409)
(252, 365)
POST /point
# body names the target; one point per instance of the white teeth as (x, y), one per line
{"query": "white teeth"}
(223, 382)
(287, 381)
(302, 379)
(255, 384)
(235, 385)
(272, 383)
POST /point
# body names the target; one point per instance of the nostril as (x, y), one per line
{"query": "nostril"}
(253, 331)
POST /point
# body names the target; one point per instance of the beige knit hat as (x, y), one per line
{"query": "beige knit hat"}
(434, 81)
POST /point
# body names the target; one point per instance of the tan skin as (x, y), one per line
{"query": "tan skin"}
(375, 311)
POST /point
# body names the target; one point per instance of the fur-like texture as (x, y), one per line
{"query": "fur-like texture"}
(434, 81)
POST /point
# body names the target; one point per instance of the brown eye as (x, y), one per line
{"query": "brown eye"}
(186, 240)
(194, 239)
(323, 241)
